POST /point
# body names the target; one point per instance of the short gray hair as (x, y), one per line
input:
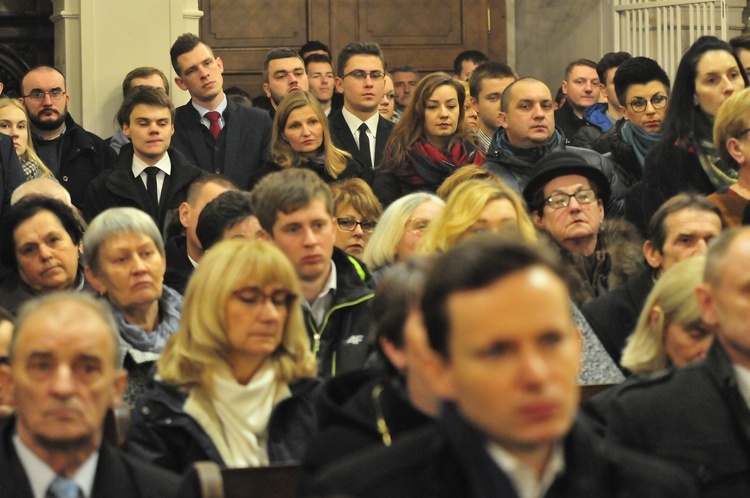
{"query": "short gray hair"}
(381, 249)
(101, 308)
(116, 221)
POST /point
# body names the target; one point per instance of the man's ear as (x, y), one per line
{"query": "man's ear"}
(264, 235)
(536, 217)
(126, 129)
(397, 356)
(705, 299)
(6, 384)
(180, 83)
(564, 87)
(440, 377)
(654, 258)
(121, 382)
(267, 90)
(184, 211)
(339, 85)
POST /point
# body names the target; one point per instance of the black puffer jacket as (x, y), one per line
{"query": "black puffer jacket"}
(514, 169)
(162, 432)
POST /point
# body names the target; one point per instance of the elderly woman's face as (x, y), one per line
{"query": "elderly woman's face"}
(46, 255)
(685, 345)
(415, 227)
(130, 270)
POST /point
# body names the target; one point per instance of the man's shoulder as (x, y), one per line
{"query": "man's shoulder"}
(248, 113)
(411, 467)
(118, 472)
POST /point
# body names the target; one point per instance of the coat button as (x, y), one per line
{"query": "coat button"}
(65, 178)
(145, 410)
(168, 421)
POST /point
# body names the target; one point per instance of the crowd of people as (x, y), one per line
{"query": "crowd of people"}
(397, 282)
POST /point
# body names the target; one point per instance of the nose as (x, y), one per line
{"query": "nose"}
(358, 230)
(533, 368)
(701, 247)
(47, 100)
(292, 79)
(139, 265)
(573, 204)
(62, 381)
(311, 238)
(538, 112)
(728, 86)
(269, 311)
(44, 252)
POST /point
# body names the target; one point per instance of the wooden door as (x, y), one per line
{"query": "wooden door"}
(426, 33)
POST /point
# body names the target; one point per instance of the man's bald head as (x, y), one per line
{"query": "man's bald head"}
(42, 186)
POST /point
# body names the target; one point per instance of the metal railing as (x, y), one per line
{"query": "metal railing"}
(664, 29)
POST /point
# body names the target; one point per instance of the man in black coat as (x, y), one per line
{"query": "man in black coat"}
(213, 132)
(62, 378)
(361, 79)
(74, 155)
(148, 175)
(12, 174)
(698, 417)
(508, 368)
(680, 229)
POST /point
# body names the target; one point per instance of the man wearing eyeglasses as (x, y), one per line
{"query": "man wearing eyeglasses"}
(567, 198)
(74, 155)
(358, 128)
(283, 73)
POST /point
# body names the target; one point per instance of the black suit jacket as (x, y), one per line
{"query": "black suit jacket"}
(117, 475)
(343, 139)
(694, 417)
(246, 138)
(118, 187)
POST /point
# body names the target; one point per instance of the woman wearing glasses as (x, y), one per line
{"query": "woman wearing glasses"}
(685, 158)
(15, 122)
(301, 139)
(234, 385)
(732, 140)
(429, 142)
(643, 88)
(357, 211)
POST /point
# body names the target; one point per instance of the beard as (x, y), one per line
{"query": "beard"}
(48, 124)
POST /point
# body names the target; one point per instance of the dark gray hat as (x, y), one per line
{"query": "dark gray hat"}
(561, 163)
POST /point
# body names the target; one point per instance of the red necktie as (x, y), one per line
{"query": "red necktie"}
(214, 127)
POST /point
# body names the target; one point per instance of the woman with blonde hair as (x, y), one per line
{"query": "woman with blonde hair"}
(670, 332)
(400, 228)
(15, 122)
(234, 384)
(301, 139)
(473, 207)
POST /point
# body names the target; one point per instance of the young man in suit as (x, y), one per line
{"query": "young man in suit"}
(215, 133)
(358, 128)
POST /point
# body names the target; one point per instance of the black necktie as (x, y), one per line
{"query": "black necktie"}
(364, 146)
(153, 193)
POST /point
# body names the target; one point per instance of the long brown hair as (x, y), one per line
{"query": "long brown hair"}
(410, 128)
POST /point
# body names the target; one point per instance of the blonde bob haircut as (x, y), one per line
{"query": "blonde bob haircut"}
(30, 154)
(673, 296)
(190, 356)
(283, 153)
(462, 210)
(382, 249)
(730, 122)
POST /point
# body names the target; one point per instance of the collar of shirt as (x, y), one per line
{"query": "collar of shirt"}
(324, 300)
(192, 261)
(354, 123)
(523, 478)
(165, 168)
(41, 476)
(219, 108)
(742, 375)
(484, 140)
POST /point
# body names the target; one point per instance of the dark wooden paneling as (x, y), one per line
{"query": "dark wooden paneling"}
(26, 40)
(426, 33)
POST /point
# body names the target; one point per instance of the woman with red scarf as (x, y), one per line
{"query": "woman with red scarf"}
(429, 142)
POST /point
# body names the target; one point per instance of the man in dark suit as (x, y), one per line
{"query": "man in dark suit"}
(508, 367)
(680, 229)
(213, 132)
(698, 416)
(358, 128)
(62, 378)
(149, 174)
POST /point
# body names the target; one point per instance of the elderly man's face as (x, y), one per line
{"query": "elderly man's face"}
(725, 303)
(688, 233)
(512, 365)
(571, 225)
(63, 378)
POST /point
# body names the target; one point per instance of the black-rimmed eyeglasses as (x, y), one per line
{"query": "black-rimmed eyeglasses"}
(639, 104)
(350, 224)
(559, 201)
